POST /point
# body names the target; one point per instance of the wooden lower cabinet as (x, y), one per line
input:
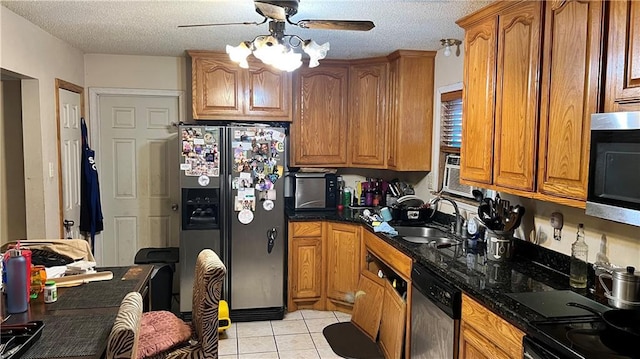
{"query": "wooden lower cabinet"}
(324, 265)
(343, 264)
(395, 333)
(306, 278)
(483, 334)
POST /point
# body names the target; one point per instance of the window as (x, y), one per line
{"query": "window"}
(451, 122)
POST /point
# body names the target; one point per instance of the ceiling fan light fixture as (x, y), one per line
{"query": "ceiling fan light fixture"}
(238, 54)
(289, 61)
(316, 52)
(447, 43)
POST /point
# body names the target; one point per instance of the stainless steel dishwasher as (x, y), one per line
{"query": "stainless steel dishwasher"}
(435, 316)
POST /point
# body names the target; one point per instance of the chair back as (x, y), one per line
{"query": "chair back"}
(207, 288)
(123, 339)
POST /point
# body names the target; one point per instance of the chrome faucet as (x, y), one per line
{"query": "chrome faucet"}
(439, 198)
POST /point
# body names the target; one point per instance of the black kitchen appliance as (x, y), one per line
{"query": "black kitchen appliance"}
(579, 338)
(569, 331)
(614, 167)
(435, 315)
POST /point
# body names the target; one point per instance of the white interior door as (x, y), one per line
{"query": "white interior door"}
(138, 175)
(70, 152)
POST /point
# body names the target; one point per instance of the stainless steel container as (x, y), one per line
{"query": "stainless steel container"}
(625, 288)
(499, 245)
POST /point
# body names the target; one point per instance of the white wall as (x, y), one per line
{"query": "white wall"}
(13, 222)
(622, 240)
(28, 50)
(140, 72)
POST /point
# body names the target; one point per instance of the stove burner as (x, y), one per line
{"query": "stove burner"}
(588, 337)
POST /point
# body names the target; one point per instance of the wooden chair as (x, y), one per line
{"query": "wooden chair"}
(123, 339)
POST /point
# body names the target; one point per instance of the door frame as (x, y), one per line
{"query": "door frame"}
(64, 85)
(94, 125)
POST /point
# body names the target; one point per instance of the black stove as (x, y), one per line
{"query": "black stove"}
(585, 338)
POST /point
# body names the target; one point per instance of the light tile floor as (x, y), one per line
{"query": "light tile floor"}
(297, 336)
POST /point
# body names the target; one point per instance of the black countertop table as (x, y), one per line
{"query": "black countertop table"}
(466, 267)
(78, 324)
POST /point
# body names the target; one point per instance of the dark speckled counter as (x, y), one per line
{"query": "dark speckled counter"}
(467, 268)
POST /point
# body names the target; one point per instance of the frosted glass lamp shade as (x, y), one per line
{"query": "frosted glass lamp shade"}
(316, 52)
(238, 54)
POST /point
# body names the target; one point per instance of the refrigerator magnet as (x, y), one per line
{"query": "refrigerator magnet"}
(280, 146)
(245, 216)
(267, 205)
(203, 181)
(185, 166)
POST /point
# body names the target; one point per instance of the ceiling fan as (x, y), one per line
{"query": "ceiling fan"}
(282, 11)
(276, 49)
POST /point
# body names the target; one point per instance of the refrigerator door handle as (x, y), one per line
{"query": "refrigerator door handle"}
(271, 239)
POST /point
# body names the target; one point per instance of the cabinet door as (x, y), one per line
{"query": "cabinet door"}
(623, 57)
(268, 93)
(306, 268)
(392, 322)
(393, 117)
(478, 102)
(516, 118)
(570, 88)
(218, 88)
(473, 345)
(343, 261)
(367, 117)
(319, 133)
(410, 104)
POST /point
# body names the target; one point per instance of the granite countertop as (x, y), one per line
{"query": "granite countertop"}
(467, 268)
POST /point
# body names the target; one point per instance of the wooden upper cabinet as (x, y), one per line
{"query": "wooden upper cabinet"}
(476, 153)
(570, 91)
(410, 110)
(222, 90)
(367, 117)
(217, 87)
(319, 132)
(268, 92)
(623, 57)
(343, 261)
(516, 126)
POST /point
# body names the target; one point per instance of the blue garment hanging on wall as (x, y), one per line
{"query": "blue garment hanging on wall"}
(90, 207)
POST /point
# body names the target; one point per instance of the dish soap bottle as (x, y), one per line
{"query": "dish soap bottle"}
(578, 270)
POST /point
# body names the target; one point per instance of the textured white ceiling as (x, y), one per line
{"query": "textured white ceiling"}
(150, 27)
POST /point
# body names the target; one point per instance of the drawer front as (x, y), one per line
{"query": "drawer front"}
(307, 229)
(392, 257)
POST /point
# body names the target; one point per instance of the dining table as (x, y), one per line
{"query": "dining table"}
(78, 323)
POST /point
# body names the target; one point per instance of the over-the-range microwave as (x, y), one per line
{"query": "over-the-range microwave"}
(614, 167)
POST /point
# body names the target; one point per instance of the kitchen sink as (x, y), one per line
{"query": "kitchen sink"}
(420, 232)
(427, 235)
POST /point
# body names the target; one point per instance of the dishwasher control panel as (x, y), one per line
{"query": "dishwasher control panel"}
(447, 297)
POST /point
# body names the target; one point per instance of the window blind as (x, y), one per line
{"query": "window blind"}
(451, 120)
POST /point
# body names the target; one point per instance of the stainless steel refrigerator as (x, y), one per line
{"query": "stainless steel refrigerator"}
(233, 184)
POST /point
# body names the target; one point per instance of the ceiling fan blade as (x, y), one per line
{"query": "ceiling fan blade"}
(224, 24)
(355, 25)
(271, 11)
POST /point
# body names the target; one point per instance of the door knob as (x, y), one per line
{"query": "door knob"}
(174, 207)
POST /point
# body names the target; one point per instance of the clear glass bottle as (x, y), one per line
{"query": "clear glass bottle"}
(578, 270)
